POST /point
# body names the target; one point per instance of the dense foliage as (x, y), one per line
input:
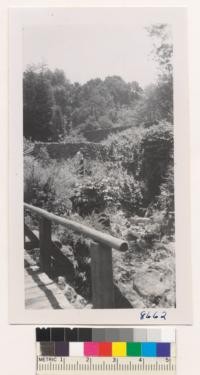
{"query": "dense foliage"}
(139, 172)
(54, 107)
(140, 163)
(157, 156)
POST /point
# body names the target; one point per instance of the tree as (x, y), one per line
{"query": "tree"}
(38, 102)
(57, 124)
(136, 91)
(119, 90)
(156, 103)
(62, 92)
(162, 47)
(92, 101)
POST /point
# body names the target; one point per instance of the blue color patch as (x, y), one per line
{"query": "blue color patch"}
(148, 349)
(163, 349)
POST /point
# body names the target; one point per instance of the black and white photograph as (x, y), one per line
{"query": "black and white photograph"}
(99, 156)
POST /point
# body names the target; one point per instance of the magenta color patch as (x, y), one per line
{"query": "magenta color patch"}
(91, 349)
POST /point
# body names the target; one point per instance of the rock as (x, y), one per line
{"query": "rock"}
(89, 306)
(138, 305)
(61, 282)
(150, 283)
(80, 301)
(34, 268)
(142, 244)
(171, 299)
(139, 220)
(159, 217)
(116, 228)
(164, 239)
(70, 294)
(131, 235)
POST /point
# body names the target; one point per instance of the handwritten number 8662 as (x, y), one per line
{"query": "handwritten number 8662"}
(153, 315)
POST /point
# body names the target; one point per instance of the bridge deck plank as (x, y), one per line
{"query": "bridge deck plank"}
(40, 291)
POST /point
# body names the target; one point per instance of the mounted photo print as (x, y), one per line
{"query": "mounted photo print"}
(99, 166)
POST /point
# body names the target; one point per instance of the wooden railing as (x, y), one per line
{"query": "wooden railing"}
(100, 250)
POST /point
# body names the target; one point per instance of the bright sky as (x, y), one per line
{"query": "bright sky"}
(86, 50)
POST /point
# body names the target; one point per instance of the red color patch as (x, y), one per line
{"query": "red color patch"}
(105, 349)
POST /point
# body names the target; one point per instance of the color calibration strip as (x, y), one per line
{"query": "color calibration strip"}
(165, 335)
(105, 349)
(80, 351)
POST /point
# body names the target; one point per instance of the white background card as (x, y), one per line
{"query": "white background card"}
(22, 337)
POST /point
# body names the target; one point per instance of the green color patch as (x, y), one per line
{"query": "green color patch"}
(134, 349)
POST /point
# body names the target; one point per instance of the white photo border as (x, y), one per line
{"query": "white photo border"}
(182, 314)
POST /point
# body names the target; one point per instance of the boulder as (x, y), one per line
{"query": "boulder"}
(150, 283)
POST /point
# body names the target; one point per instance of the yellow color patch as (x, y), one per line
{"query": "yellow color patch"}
(119, 349)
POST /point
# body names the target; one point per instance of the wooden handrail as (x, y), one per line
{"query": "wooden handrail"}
(94, 234)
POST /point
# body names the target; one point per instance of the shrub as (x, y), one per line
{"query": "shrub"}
(64, 182)
(38, 183)
(125, 147)
(156, 155)
(166, 197)
(108, 185)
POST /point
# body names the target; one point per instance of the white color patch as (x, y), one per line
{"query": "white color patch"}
(168, 335)
(76, 349)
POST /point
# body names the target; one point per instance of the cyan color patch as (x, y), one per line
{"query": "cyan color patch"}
(148, 349)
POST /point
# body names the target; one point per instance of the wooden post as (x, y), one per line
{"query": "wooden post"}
(102, 276)
(45, 244)
(32, 237)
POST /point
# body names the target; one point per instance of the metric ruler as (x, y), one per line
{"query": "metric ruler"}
(96, 365)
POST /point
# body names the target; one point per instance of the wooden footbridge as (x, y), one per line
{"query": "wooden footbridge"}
(41, 292)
